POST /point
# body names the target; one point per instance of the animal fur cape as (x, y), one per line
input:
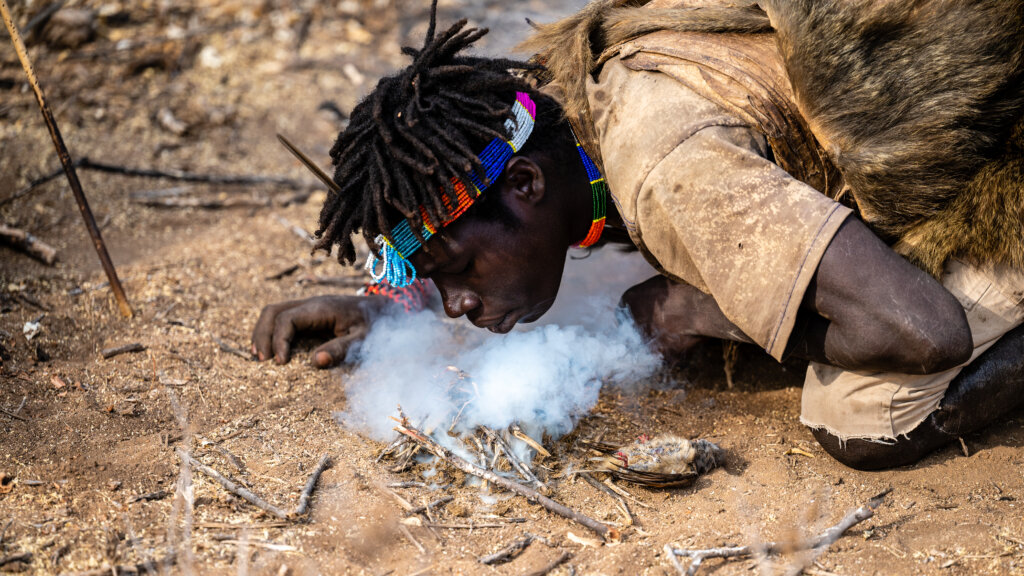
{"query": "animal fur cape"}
(918, 103)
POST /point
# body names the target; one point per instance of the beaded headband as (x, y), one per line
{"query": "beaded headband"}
(394, 253)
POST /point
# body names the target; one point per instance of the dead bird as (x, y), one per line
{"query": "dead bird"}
(662, 462)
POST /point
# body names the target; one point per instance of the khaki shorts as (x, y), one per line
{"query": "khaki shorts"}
(880, 406)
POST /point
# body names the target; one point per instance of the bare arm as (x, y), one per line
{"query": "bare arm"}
(866, 309)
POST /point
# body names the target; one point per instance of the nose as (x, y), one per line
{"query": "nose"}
(459, 302)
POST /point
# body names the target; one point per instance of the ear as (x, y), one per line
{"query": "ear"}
(524, 180)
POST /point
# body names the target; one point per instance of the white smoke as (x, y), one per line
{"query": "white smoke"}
(542, 376)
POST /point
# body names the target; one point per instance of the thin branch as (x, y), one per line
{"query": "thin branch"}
(230, 486)
(29, 244)
(510, 552)
(818, 544)
(324, 464)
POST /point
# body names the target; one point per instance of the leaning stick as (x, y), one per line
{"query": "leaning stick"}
(65, 160)
(818, 543)
(606, 532)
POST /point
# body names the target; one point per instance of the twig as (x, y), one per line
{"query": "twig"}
(158, 495)
(109, 353)
(439, 502)
(203, 203)
(65, 160)
(228, 348)
(819, 543)
(408, 535)
(295, 229)
(25, 557)
(607, 532)
(323, 464)
(558, 562)
(510, 552)
(126, 569)
(464, 526)
(518, 433)
(617, 497)
(284, 272)
(231, 486)
(185, 176)
(514, 460)
(407, 485)
(13, 415)
(309, 164)
(29, 244)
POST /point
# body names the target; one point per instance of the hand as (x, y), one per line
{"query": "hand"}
(343, 316)
(663, 312)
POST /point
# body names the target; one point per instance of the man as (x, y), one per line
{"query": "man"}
(721, 135)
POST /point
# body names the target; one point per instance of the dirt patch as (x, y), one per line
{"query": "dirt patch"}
(204, 89)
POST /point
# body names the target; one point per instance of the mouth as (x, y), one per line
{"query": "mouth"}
(505, 325)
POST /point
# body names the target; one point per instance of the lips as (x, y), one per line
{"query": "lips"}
(503, 326)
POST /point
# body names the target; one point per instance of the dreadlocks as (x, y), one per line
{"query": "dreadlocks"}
(417, 131)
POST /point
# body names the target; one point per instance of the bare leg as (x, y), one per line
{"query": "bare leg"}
(984, 390)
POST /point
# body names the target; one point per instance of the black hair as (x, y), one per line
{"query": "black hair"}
(422, 127)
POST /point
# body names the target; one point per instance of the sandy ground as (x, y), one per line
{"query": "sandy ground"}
(205, 88)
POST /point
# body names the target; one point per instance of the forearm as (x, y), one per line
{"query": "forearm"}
(676, 316)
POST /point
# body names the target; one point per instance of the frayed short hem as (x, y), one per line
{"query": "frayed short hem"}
(843, 437)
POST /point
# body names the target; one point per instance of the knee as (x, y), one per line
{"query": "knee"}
(866, 455)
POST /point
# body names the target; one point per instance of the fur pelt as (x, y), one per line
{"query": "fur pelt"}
(919, 104)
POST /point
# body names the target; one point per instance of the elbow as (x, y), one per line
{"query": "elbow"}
(939, 344)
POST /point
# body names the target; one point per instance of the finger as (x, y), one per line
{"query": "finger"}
(263, 332)
(284, 332)
(333, 352)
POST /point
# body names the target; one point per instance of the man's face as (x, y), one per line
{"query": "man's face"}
(494, 273)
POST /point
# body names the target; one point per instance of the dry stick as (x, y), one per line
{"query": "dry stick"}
(466, 526)
(606, 532)
(325, 462)
(109, 353)
(25, 557)
(29, 244)
(231, 486)
(819, 543)
(303, 506)
(439, 502)
(615, 496)
(13, 415)
(514, 460)
(408, 535)
(65, 160)
(170, 174)
(558, 562)
(202, 203)
(518, 433)
(510, 552)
